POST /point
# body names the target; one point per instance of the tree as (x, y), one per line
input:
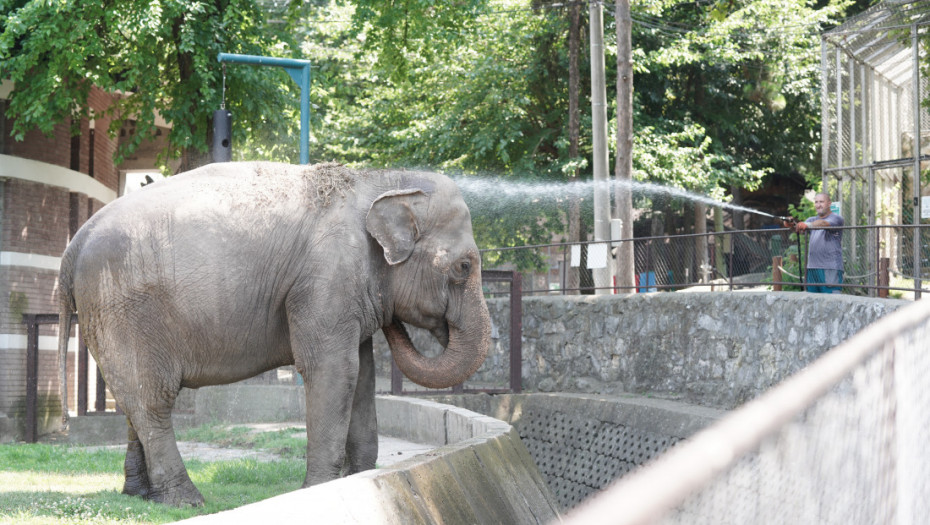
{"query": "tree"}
(162, 55)
(747, 72)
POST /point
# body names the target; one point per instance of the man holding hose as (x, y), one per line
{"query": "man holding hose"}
(825, 251)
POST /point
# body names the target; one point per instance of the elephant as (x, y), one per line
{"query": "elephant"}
(233, 269)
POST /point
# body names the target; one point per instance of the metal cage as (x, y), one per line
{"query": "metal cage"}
(874, 123)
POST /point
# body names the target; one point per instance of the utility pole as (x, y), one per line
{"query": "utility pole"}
(572, 274)
(623, 205)
(602, 274)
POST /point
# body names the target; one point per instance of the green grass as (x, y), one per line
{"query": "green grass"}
(59, 484)
(280, 442)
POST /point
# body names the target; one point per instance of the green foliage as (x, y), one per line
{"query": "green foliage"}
(724, 94)
(397, 31)
(803, 210)
(161, 55)
(747, 72)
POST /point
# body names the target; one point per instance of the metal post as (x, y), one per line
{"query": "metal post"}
(100, 403)
(397, 379)
(299, 70)
(915, 65)
(649, 265)
(839, 111)
(32, 377)
(82, 378)
(776, 273)
(883, 279)
(516, 333)
(602, 276)
(873, 239)
(730, 256)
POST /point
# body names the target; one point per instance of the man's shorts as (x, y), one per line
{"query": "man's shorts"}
(820, 280)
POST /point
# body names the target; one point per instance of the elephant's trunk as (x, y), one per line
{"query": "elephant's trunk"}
(461, 358)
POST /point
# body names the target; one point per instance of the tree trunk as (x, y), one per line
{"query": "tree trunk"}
(573, 280)
(624, 161)
(190, 157)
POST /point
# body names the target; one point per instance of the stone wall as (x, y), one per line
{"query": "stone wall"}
(715, 349)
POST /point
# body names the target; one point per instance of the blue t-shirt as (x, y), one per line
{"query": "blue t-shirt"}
(826, 247)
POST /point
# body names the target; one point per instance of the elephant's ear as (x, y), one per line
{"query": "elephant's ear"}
(393, 222)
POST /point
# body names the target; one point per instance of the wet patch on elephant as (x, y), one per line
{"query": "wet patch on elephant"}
(323, 183)
(329, 180)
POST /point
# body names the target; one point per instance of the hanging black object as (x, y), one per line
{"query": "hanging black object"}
(222, 135)
(222, 129)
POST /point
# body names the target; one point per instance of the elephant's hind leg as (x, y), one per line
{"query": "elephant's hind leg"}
(147, 398)
(168, 478)
(137, 476)
(362, 442)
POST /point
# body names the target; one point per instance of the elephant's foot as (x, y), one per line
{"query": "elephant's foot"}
(183, 495)
(137, 478)
(137, 485)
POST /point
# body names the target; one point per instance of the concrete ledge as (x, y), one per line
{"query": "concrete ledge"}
(109, 429)
(487, 477)
(239, 403)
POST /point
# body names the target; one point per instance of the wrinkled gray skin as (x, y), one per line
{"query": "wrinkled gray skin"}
(222, 273)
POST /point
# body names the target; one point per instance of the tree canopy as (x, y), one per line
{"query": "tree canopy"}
(160, 55)
(725, 92)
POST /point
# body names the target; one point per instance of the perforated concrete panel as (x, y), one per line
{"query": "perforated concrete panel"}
(578, 455)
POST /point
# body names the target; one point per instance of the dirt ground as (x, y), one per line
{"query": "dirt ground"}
(390, 449)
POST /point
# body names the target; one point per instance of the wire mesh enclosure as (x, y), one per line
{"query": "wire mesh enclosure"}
(773, 258)
(875, 130)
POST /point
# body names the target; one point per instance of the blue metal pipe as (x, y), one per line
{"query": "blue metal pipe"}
(299, 70)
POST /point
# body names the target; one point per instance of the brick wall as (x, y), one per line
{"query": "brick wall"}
(37, 219)
(56, 149)
(36, 146)
(104, 146)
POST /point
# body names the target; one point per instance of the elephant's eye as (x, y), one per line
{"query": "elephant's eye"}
(462, 269)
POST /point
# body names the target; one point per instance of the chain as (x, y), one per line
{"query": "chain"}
(223, 102)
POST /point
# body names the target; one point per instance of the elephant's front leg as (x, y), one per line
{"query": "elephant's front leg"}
(329, 365)
(362, 444)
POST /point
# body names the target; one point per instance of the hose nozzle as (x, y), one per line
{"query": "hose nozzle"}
(788, 222)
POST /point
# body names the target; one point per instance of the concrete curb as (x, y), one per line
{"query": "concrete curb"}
(482, 473)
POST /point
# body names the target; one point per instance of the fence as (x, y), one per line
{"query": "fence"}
(840, 442)
(878, 260)
(32, 322)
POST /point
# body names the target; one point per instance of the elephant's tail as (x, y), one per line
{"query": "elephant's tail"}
(65, 308)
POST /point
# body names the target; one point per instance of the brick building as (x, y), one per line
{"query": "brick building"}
(48, 187)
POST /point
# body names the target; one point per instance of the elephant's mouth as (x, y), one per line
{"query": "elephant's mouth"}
(441, 334)
(464, 351)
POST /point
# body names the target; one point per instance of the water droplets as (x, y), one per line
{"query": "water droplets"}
(490, 195)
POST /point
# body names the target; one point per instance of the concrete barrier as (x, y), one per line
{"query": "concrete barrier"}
(482, 473)
(581, 443)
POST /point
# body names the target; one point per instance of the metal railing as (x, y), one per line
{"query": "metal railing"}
(32, 322)
(878, 260)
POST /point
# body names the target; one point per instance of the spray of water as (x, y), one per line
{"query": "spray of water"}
(489, 195)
